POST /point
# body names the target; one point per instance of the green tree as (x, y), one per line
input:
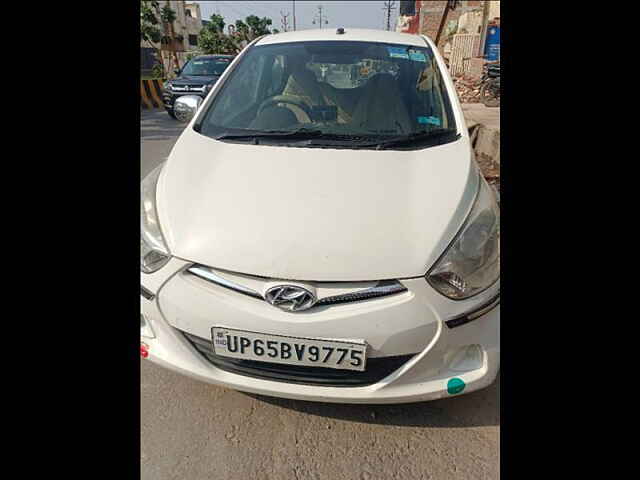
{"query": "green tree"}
(167, 14)
(212, 38)
(253, 27)
(242, 29)
(211, 42)
(257, 25)
(149, 31)
(216, 23)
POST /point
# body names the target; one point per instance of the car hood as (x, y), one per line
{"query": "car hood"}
(190, 80)
(314, 213)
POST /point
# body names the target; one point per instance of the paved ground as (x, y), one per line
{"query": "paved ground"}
(193, 431)
(158, 133)
(478, 113)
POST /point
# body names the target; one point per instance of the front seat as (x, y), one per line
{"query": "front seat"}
(381, 108)
(302, 84)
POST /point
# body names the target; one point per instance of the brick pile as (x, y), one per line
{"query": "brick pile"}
(468, 89)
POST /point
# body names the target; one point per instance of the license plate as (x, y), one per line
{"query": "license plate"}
(310, 352)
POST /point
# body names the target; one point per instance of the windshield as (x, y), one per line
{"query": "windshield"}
(206, 66)
(358, 94)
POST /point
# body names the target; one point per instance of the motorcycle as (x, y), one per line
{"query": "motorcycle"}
(490, 89)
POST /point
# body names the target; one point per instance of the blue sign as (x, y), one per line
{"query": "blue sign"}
(492, 47)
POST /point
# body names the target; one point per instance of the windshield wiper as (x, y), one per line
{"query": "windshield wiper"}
(300, 134)
(315, 137)
(424, 138)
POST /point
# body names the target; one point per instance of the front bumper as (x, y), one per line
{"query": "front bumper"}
(169, 98)
(410, 323)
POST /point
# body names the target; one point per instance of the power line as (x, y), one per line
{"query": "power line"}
(284, 20)
(319, 17)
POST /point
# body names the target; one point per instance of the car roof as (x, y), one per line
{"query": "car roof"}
(352, 34)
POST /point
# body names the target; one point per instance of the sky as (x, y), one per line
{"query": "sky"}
(354, 14)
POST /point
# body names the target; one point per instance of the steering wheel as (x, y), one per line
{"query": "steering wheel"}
(286, 99)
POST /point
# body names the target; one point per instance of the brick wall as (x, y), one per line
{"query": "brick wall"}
(431, 14)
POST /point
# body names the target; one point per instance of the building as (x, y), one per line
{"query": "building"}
(431, 13)
(187, 27)
(409, 17)
(425, 16)
(463, 33)
(194, 23)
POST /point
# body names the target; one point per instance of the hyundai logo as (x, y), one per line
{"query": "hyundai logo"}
(290, 298)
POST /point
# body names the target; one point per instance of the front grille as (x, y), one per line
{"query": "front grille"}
(382, 288)
(377, 368)
(188, 88)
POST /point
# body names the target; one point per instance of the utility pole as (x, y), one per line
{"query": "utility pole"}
(451, 5)
(319, 17)
(284, 21)
(294, 15)
(388, 6)
(483, 34)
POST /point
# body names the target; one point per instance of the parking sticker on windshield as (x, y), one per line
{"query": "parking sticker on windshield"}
(429, 120)
(397, 52)
(417, 56)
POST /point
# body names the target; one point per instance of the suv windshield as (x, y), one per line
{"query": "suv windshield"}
(206, 66)
(339, 93)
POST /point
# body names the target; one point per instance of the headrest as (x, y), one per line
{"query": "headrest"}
(305, 78)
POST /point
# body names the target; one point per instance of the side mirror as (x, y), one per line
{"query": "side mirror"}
(185, 107)
(176, 71)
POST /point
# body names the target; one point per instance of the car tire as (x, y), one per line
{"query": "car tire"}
(171, 114)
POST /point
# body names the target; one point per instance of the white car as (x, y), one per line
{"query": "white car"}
(324, 242)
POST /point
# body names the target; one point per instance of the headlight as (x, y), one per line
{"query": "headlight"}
(471, 264)
(166, 86)
(154, 253)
